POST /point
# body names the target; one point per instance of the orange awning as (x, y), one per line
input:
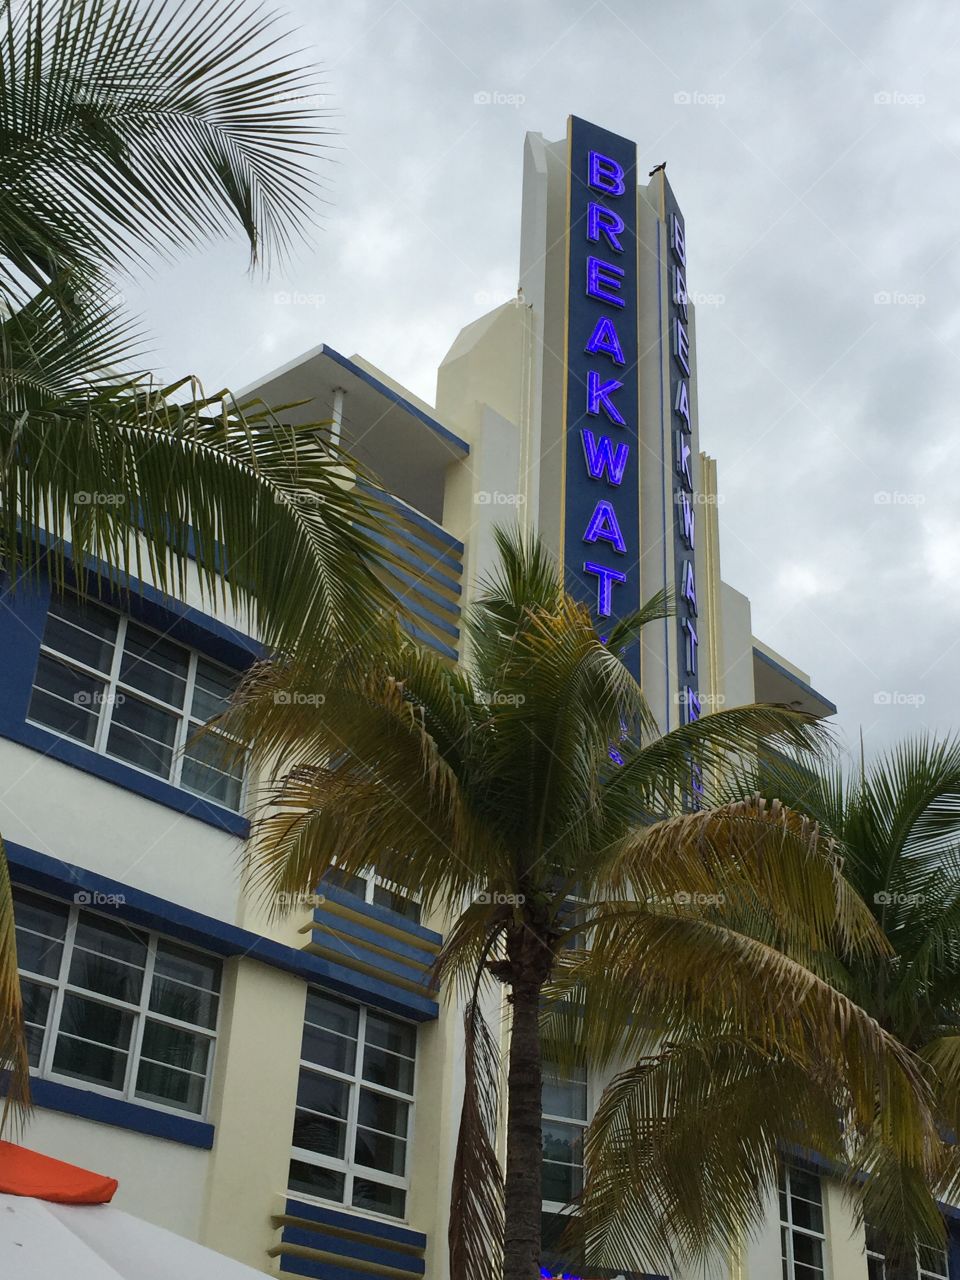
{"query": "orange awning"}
(28, 1173)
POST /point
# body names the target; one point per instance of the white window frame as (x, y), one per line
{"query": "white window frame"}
(925, 1274)
(113, 686)
(557, 1206)
(788, 1228)
(60, 987)
(348, 1166)
(371, 881)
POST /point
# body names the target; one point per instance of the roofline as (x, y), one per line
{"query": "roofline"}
(444, 433)
(802, 684)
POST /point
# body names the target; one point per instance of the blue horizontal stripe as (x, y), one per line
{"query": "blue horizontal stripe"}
(438, 566)
(355, 953)
(421, 585)
(292, 1265)
(430, 552)
(377, 912)
(355, 1222)
(40, 871)
(74, 1101)
(429, 526)
(428, 616)
(425, 637)
(384, 1257)
(326, 920)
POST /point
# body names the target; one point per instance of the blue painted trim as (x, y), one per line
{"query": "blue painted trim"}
(40, 871)
(354, 1222)
(388, 392)
(418, 585)
(441, 566)
(425, 637)
(428, 616)
(354, 953)
(324, 921)
(434, 555)
(415, 517)
(384, 914)
(292, 1265)
(801, 684)
(353, 1249)
(77, 1101)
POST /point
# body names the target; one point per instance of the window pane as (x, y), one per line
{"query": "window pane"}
(184, 1049)
(154, 665)
(209, 771)
(211, 690)
(41, 926)
(36, 1008)
(560, 1182)
(104, 1061)
(321, 1134)
(329, 1050)
(349, 883)
(66, 701)
(185, 984)
(311, 1180)
(381, 1199)
(807, 1250)
(82, 630)
(379, 1151)
(387, 1033)
(806, 1214)
(563, 1142)
(564, 1096)
(378, 1111)
(387, 1069)
(108, 958)
(397, 901)
(176, 1088)
(316, 1092)
(143, 735)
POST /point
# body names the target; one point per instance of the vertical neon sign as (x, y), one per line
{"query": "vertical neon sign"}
(684, 505)
(602, 484)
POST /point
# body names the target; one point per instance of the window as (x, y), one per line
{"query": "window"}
(115, 1007)
(369, 887)
(133, 694)
(351, 1132)
(801, 1225)
(564, 1124)
(931, 1263)
(876, 1263)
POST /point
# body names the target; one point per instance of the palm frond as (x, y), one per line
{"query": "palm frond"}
(14, 1063)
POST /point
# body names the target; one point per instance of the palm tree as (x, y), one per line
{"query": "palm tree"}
(489, 789)
(127, 129)
(692, 1134)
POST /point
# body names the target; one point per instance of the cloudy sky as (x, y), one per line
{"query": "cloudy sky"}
(815, 150)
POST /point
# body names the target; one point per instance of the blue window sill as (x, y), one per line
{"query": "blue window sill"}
(142, 784)
(73, 1101)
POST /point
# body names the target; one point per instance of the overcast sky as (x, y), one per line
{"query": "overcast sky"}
(815, 151)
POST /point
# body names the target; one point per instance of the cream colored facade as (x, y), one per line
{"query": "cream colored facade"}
(488, 452)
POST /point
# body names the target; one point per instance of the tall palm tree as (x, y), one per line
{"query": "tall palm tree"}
(688, 1139)
(490, 790)
(127, 129)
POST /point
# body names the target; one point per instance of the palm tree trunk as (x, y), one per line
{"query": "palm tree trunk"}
(521, 1245)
